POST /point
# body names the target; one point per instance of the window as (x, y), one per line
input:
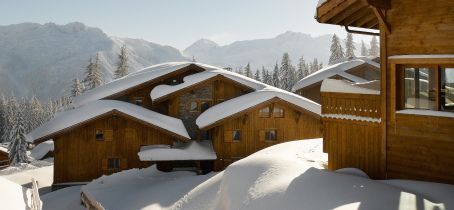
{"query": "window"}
(232, 136)
(194, 135)
(204, 135)
(204, 105)
(428, 88)
(99, 135)
(267, 135)
(264, 113)
(193, 106)
(139, 102)
(114, 163)
(278, 113)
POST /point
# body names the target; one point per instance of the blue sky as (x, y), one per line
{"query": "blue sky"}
(178, 23)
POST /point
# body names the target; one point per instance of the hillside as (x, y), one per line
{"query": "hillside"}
(264, 51)
(44, 59)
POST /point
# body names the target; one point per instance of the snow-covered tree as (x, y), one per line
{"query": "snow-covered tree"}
(82, 88)
(18, 141)
(93, 78)
(275, 77)
(3, 116)
(240, 70)
(266, 76)
(193, 59)
(320, 66)
(315, 66)
(75, 88)
(48, 111)
(257, 75)
(363, 49)
(301, 68)
(374, 50)
(35, 114)
(8, 121)
(286, 73)
(336, 49)
(248, 71)
(349, 46)
(122, 64)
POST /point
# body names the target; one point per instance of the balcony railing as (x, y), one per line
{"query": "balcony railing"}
(360, 105)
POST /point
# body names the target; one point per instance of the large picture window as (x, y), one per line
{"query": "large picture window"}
(428, 87)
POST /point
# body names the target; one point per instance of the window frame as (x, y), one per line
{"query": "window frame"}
(261, 115)
(198, 106)
(400, 86)
(114, 159)
(269, 130)
(103, 138)
(282, 112)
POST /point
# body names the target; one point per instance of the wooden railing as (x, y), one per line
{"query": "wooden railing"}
(360, 105)
(36, 203)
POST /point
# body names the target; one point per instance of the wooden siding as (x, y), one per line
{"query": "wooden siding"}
(294, 126)
(78, 157)
(4, 161)
(418, 147)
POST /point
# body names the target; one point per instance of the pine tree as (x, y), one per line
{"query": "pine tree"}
(122, 64)
(48, 111)
(349, 46)
(240, 70)
(285, 73)
(76, 89)
(248, 71)
(363, 49)
(374, 50)
(89, 73)
(315, 66)
(301, 68)
(97, 73)
(3, 116)
(336, 49)
(257, 75)
(36, 111)
(17, 148)
(275, 78)
(307, 71)
(266, 76)
(9, 118)
(82, 88)
(320, 66)
(193, 59)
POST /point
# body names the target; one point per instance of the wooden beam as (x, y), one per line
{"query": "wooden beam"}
(333, 10)
(382, 20)
(357, 15)
(381, 4)
(347, 12)
(364, 19)
(371, 23)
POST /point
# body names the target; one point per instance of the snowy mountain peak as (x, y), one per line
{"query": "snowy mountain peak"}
(200, 45)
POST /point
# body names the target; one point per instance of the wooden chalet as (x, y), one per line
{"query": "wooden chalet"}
(355, 70)
(4, 160)
(413, 139)
(127, 123)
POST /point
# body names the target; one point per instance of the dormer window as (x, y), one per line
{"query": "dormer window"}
(278, 113)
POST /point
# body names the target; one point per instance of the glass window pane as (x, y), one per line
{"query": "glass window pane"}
(447, 89)
(267, 135)
(193, 135)
(117, 163)
(419, 90)
(99, 135)
(273, 135)
(205, 105)
(265, 112)
(139, 102)
(111, 163)
(204, 135)
(278, 112)
(194, 106)
(237, 135)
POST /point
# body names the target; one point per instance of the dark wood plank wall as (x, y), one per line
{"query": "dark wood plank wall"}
(3, 156)
(312, 93)
(288, 129)
(351, 143)
(418, 147)
(78, 157)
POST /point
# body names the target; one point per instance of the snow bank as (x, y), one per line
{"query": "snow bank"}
(211, 71)
(44, 176)
(193, 150)
(12, 195)
(339, 86)
(238, 104)
(42, 149)
(96, 108)
(374, 85)
(67, 198)
(337, 67)
(127, 82)
(426, 113)
(352, 117)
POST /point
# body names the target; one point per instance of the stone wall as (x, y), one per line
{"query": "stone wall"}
(202, 93)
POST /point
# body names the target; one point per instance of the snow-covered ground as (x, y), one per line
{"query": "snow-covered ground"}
(12, 195)
(64, 199)
(286, 176)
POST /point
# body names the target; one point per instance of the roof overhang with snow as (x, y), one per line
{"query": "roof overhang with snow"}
(135, 81)
(194, 150)
(164, 92)
(239, 106)
(339, 86)
(365, 14)
(68, 120)
(341, 68)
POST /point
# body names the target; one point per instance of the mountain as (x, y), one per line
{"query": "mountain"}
(264, 51)
(44, 59)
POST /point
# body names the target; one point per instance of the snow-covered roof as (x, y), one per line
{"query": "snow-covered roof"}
(93, 109)
(127, 82)
(337, 67)
(339, 86)
(241, 103)
(42, 149)
(4, 148)
(164, 90)
(194, 150)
